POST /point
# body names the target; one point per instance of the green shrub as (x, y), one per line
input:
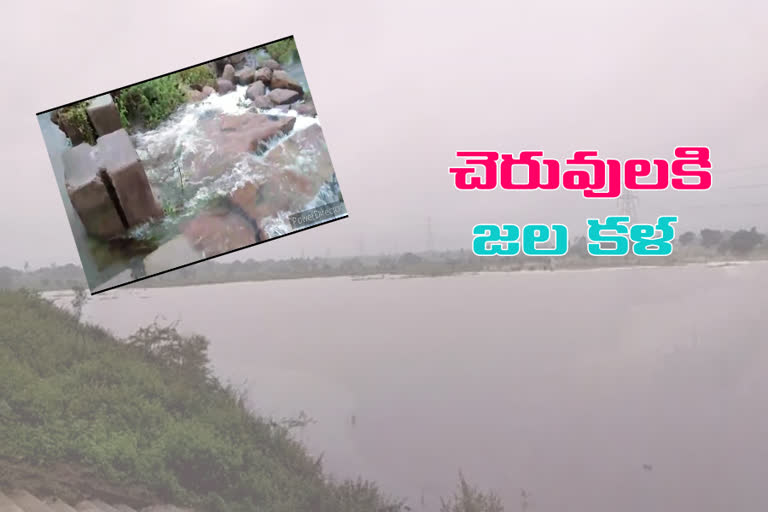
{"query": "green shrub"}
(199, 76)
(470, 499)
(74, 122)
(150, 103)
(146, 411)
(283, 51)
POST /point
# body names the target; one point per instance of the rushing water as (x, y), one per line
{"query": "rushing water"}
(612, 390)
(168, 153)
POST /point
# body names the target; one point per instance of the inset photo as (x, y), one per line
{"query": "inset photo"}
(191, 165)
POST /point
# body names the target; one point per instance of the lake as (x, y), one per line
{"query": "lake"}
(626, 390)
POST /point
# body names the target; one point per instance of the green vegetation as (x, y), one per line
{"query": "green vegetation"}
(147, 412)
(283, 51)
(470, 499)
(74, 121)
(198, 77)
(150, 103)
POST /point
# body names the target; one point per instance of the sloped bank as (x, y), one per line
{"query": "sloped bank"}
(146, 412)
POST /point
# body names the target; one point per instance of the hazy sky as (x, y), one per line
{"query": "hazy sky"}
(400, 86)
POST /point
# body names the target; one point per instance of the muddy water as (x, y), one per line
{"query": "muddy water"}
(600, 391)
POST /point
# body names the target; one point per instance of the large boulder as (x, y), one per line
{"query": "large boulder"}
(281, 80)
(257, 89)
(89, 195)
(237, 59)
(207, 91)
(262, 102)
(228, 73)
(244, 76)
(306, 108)
(223, 86)
(272, 64)
(283, 96)
(263, 75)
(194, 96)
(103, 114)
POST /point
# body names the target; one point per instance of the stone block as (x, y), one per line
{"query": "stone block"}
(104, 115)
(89, 195)
(124, 170)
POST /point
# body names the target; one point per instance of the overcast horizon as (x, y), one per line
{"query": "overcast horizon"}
(629, 80)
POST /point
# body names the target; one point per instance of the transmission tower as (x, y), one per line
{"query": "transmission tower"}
(430, 240)
(628, 202)
(524, 500)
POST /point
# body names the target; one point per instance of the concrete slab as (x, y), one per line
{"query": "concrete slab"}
(8, 505)
(58, 505)
(28, 502)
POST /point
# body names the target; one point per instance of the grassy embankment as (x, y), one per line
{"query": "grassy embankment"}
(145, 414)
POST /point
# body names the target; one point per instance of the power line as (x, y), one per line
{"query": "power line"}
(730, 205)
(756, 185)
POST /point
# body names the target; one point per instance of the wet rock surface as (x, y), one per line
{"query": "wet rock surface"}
(263, 75)
(223, 86)
(305, 108)
(255, 90)
(282, 80)
(283, 96)
(232, 136)
(244, 76)
(217, 232)
(228, 73)
(295, 170)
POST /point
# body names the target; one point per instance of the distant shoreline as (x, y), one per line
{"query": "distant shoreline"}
(395, 276)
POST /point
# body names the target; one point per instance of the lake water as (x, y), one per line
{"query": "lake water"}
(603, 391)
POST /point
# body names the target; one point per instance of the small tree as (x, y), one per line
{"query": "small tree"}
(186, 354)
(687, 238)
(78, 301)
(711, 237)
(470, 499)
